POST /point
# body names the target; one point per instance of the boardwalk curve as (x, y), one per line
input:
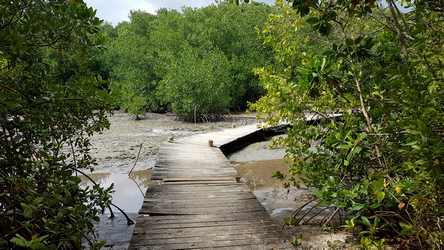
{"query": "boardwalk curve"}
(197, 203)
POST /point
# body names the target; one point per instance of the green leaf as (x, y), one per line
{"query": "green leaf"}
(278, 175)
(380, 196)
(406, 228)
(365, 221)
(27, 210)
(378, 184)
(357, 206)
(18, 240)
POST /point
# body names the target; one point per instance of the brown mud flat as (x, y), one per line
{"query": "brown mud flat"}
(118, 146)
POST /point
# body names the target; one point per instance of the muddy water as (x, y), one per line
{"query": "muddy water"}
(257, 174)
(128, 194)
(256, 164)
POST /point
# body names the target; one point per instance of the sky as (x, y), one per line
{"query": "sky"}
(115, 11)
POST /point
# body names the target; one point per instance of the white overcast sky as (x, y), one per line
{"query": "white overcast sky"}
(115, 11)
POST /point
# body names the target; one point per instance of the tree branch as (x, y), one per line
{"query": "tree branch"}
(368, 120)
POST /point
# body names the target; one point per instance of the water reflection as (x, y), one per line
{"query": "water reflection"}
(257, 162)
(128, 190)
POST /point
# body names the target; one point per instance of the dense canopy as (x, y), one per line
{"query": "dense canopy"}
(172, 61)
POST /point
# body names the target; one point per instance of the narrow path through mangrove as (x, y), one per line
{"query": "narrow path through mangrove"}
(197, 202)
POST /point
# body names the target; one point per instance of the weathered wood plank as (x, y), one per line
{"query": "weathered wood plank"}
(162, 212)
(209, 224)
(198, 242)
(200, 218)
(204, 231)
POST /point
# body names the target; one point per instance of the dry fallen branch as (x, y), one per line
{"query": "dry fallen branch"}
(137, 159)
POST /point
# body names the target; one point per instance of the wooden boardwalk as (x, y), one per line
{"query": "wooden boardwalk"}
(197, 203)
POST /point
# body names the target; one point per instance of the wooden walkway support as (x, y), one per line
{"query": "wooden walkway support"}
(197, 203)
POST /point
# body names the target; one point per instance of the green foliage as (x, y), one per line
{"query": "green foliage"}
(382, 70)
(144, 56)
(51, 96)
(297, 241)
(35, 242)
(203, 90)
(130, 60)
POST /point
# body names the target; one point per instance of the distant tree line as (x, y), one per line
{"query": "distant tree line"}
(197, 63)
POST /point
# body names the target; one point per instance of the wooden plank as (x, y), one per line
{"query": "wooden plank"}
(199, 242)
(183, 224)
(162, 239)
(200, 197)
(184, 180)
(149, 232)
(231, 247)
(203, 203)
(272, 243)
(209, 224)
(145, 219)
(173, 211)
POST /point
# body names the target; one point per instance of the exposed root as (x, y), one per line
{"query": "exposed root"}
(296, 213)
(330, 218)
(305, 214)
(301, 216)
(316, 214)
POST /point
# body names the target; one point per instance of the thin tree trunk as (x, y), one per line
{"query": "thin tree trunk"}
(368, 121)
